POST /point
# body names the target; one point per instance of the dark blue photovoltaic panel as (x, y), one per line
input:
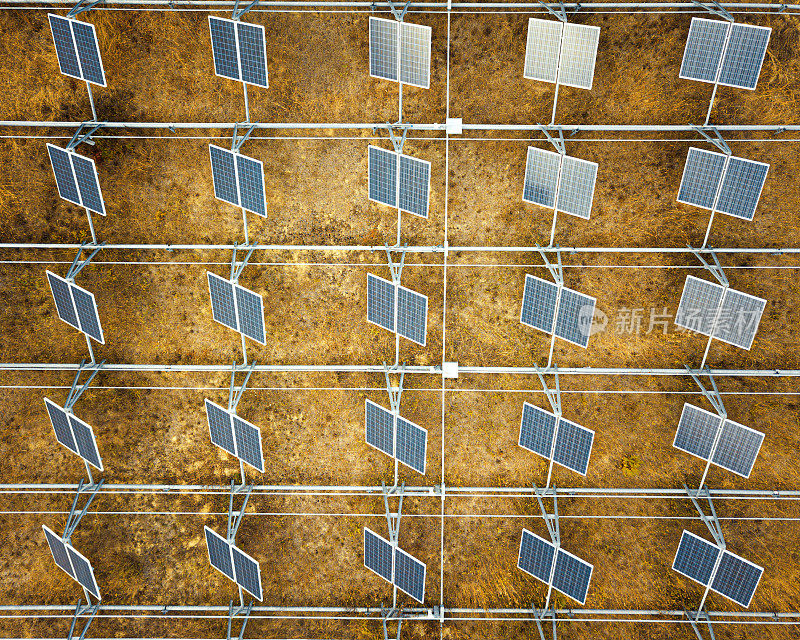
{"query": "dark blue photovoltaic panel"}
(744, 56)
(65, 178)
(701, 176)
(409, 575)
(59, 551)
(380, 302)
(253, 53)
(571, 576)
(250, 308)
(248, 573)
(535, 556)
(412, 443)
(220, 428)
(703, 51)
(377, 555)
(83, 572)
(695, 558)
(697, 430)
(87, 313)
(251, 184)
(575, 313)
(219, 553)
(412, 315)
(223, 172)
(88, 52)
(248, 443)
(415, 184)
(539, 303)
(736, 578)
(382, 176)
(739, 317)
(699, 304)
(379, 427)
(60, 422)
(576, 188)
(222, 301)
(84, 438)
(63, 300)
(741, 188)
(223, 46)
(573, 446)
(88, 185)
(65, 46)
(536, 431)
(737, 448)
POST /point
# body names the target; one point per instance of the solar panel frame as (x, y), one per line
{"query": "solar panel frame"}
(705, 46)
(218, 552)
(382, 172)
(251, 43)
(536, 557)
(414, 176)
(224, 311)
(737, 579)
(701, 177)
(65, 305)
(64, 42)
(412, 315)
(88, 183)
(85, 441)
(381, 301)
(737, 303)
(88, 52)
(576, 187)
(542, 49)
(541, 296)
(542, 169)
(220, 427)
(415, 55)
(737, 448)
(744, 56)
(248, 443)
(224, 174)
(379, 427)
(409, 574)
(64, 174)
(697, 431)
(250, 177)
(572, 575)
(377, 550)
(384, 52)
(741, 190)
(250, 314)
(58, 549)
(86, 308)
(570, 316)
(573, 446)
(578, 55)
(59, 419)
(698, 559)
(707, 298)
(84, 573)
(224, 54)
(536, 433)
(248, 572)
(412, 445)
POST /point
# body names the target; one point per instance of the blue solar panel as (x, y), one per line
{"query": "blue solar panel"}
(573, 446)
(382, 176)
(536, 556)
(83, 572)
(88, 52)
(380, 302)
(741, 188)
(412, 315)
(223, 304)
(88, 185)
(412, 443)
(736, 578)
(539, 303)
(253, 54)
(220, 427)
(383, 54)
(379, 427)
(65, 46)
(87, 313)
(415, 184)
(738, 319)
(576, 188)
(744, 56)
(84, 438)
(250, 311)
(63, 299)
(223, 172)
(248, 573)
(65, 177)
(409, 575)
(571, 576)
(697, 430)
(219, 553)
(695, 558)
(223, 47)
(248, 443)
(59, 551)
(575, 313)
(541, 177)
(251, 184)
(536, 431)
(737, 448)
(701, 58)
(378, 555)
(60, 421)
(701, 176)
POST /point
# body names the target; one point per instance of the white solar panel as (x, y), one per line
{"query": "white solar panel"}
(415, 54)
(412, 315)
(744, 56)
(741, 188)
(76, 306)
(576, 187)
(695, 558)
(384, 60)
(541, 50)
(77, 49)
(234, 563)
(698, 307)
(378, 555)
(412, 445)
(237, 308)
(238, 180)
(578, 55)
(697, 430)
(572, 575)
(392, 175)
(536, 556)
(701, 175)
(536, 430)
(380, 302)
(574, 319)
(409, 575)
(539, 300)
(379, 427)
(541, 177)
(239, 50)
(704, 47)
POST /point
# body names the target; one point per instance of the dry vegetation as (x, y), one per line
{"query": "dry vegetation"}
(159, 69)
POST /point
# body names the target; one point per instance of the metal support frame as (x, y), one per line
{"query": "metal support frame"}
(714, 397)
(391, 614)
(702, 616)
(74, 270)
(393, 523)
(396, 269)
(718, 272)
(541, 616)
(238, 612)
(236, 272)
(234, 522)
(74, 517)
(238, 13)
(395, 393)
(718, 141)
(554, 396)
(557, 272)
(397, 143)
(712, 523)
(715, 8)
(558, 143)
(82, 610)
(82, 136)
(235, 395)
(554, 529)
(75, 393)
(236, 142)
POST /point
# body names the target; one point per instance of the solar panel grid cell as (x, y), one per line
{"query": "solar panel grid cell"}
(415, 178)
(83, 572)
(63, 299)
(741, 188)
(223, 301)
(60, 421)
(248, 572)
(541, 50)
(88, 52)
(65, 177)
(380, 302)
(59, 551)
(699, 304)
(736, 578)
(535, 556)
(251, 184)
(574, 320)
(576, 189)
(87, 313)
(704, 47)
(541, 177)
(536, 430)
(578, 55)
(252, 54)
(219, 553)
(378, 555)
(220, 427)
(744, 56)
(223, 172)
(695, 558)
(223, 47)
(737, 448)
(379, 427)
(573, 446)
(409, 575)
(738, 318)
(412, 443)
(84, 439)
(383, 53)
(248, 443)
(701, 175)
(412, 315)
(382, 176)
(571, 576)
(539, 303)
(415, 54)
(250, 314)
(697, 430)
(88, 184)
(65, 46)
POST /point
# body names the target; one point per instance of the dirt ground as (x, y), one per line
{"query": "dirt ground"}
(147, 548)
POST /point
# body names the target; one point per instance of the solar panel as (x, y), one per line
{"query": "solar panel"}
(744, 56)
(88, 184)
(415, 54)
(59, 551)
(536, 556)
(88, 52)
(223, 302)
(84, 439)
(539, 303)
(697, 430)
(253, 53)
(412, 443)
(380, 302)
(379, 427)
(541, 176)
(382, 175)
(415, 184)
(541, 50)
(60, 421)
(536, 430)
(572, 575)
(248, 443)
(87, 312)
(575, 313)
(695, 558)
(219, 553)
(248, 572)
(736, 578)
(220, 427)
(576, 188)
(378, 555)
(412, 315)
(739, 318)
(65, 177)
(578, 55)
(699, 303)
(573, 446)
(383, 54)
(223, 173)
(251, 184)
(409, 575)
(250, 312)
(737, 448)
(65, 46)
(741, 188)
(84, 573)
(704, 47)
(223, 47)
(701, 176)
(63, 299)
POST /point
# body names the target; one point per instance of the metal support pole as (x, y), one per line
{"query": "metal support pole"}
(91, 101)
(246, 234)
(89, 346)
(91, 226)
(246, 103)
